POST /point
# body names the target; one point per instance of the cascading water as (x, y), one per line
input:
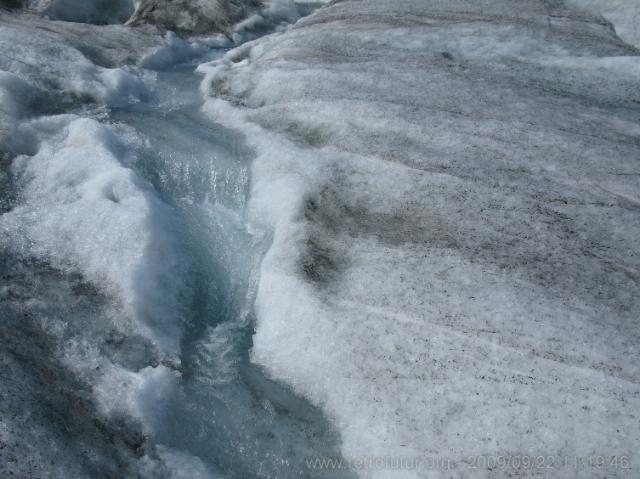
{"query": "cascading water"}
(226, 412)
(127, 288)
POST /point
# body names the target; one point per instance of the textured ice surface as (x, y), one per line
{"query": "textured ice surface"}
(623, 14)
(453, 192)
(197, 16)
(50, 425)
(239, 19)
(80, 205)
(99, 12)
(89, 291)
(69, 62)
(89, 272)
(176, 51)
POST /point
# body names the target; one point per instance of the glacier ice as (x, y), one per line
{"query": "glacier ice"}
(623, 14)
(240, 20)
(452, 189)
(67, 62)
(81, 205)
(446, 192)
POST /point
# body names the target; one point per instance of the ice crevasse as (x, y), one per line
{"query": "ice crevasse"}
(453, 193)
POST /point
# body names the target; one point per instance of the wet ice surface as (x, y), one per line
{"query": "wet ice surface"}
(453, 191)
(447, 196)
(127, 273)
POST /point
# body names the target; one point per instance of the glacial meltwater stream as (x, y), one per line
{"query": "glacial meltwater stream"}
(226, 412)
(203, 410)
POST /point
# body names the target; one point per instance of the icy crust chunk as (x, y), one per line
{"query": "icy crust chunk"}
(64, 62)
(453, 193)
(81, 206)
(99, 278)
(273, 16)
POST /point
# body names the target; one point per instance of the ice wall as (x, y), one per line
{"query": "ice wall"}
(453, 193)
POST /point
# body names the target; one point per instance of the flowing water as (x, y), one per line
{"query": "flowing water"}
(223, 409)
(228, 413)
